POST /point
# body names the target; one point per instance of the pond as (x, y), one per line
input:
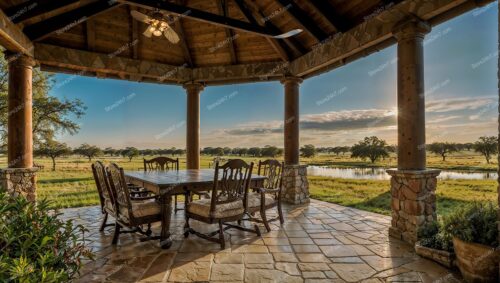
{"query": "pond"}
(380, 174)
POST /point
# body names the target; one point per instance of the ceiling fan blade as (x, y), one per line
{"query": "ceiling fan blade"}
(148, 33)
(171, 35)
(140, 16)
(288, 34)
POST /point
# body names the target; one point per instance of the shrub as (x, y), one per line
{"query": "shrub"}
(474, 223)
(432, 235)
(35, 245)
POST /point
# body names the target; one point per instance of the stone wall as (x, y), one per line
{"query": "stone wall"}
(295, 184)
(19, 182)
(413, 201)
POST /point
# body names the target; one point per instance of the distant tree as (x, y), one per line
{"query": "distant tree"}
(89, 151)
(130, 153)
(146, 152)
(487, 146)
(219, 151)
(53, 149)
(442, 148)
(391, 148)
(227, 151)
(372, 148)
(110, 151)
(243, 151)
(254, 151)
(308, 150)
(179, 151)
(469, 146)
(270, 151)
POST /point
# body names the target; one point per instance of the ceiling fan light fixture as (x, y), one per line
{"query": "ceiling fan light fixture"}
(157, 32)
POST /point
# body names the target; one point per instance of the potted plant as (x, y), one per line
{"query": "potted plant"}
(475, 241)
(435, 244)
(35, 245)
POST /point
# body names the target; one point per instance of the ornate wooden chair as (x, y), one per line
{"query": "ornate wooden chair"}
(131, 213)
(163, 164)
(269, 196)
(231, 184)
(105, 196)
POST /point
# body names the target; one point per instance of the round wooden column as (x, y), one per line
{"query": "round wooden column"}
(292, 120)
(20, 136)
(193, 91)
(411, 95)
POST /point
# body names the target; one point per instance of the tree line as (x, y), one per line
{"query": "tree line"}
(371, 148)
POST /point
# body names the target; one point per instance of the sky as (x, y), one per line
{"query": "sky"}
(337, 108)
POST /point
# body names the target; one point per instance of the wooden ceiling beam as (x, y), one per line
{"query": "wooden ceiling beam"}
(292, 42)
(64, 22)
(91, 63)
(230, 37)
(35, 8)
(325, 9)
(200, 15)
(184, 44)
(276, 44)
(134, 34)
(12, 37)
(303, 19)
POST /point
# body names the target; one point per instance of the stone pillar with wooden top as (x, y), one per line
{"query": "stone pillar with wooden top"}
(413, 186)
(193, 91)
(20, 176)
(296, 186)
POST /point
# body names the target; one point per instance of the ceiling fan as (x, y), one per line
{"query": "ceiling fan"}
(160, 23)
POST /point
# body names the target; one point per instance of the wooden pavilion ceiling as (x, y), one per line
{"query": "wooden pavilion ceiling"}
(103, 29)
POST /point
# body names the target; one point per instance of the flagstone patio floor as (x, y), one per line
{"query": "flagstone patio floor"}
(319, 242)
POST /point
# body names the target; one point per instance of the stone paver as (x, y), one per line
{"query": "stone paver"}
(320, 242)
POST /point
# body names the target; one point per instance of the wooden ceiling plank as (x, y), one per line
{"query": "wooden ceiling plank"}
(276, 44)
(178, 27)
(64, 22)
(134, 34)
(303, 19)
(230, 37)
(203, 16)
(35, 8)
(327, 11)
(90, 31)
(12, 37)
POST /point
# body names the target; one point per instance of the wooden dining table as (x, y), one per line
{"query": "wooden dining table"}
(169, 183)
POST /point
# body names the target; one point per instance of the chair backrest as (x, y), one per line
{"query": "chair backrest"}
(161, 164)
(123, 205)
(99, 172)
(231, 182)
(273, 170)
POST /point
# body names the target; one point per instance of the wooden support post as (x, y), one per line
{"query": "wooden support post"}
(19, 179)
(193, 91)
(292, 120)
(411, 95)
(413, 198)
(20, 137)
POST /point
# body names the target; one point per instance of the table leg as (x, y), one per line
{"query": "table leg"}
(166, 213)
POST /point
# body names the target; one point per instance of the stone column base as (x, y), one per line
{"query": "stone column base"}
(19, 181)
(295, 184)
(413, 202)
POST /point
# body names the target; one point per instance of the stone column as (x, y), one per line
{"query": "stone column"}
(296, 186)
(412, 185)
(193, 91)
(19, 178)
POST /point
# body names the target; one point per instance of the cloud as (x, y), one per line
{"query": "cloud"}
(329, 121)
(458, 104)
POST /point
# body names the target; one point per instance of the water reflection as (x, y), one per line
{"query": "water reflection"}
(380, 174)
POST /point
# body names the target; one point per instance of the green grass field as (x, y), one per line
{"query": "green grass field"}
(72, 184)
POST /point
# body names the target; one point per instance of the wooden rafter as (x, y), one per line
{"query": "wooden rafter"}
(66, 21)
(292, 42)
(303, 19)
(200, 15)
(12, 37)
(90, 34)
(326, 10)
(276, 44)
(134, 34)
(178, 27)
(223, 11)
(34, 8)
